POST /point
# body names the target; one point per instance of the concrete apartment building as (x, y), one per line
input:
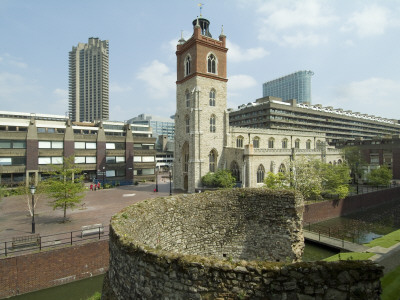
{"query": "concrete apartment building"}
(110, 151)
(293, 86)
(337, 124)
(89, 81)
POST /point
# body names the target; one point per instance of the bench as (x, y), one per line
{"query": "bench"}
(26, 241)
(92, 229)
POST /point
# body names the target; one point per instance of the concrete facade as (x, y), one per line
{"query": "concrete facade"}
(204, 141)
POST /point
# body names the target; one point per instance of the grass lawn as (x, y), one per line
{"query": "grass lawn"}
(349, 256)
(386, 241)
(391, 285)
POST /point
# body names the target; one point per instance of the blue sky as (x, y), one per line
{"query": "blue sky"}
(353, 47)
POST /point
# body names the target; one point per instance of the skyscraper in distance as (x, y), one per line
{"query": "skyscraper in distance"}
(89, 81)
(293, 86)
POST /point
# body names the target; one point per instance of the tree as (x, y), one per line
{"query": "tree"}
(335, 179)
(380, 176)
(306, 177)
(65, 186)
(276, 181)
(221, 178)
(40, 190)
(355, 161)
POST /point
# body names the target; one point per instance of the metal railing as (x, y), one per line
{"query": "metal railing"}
(333, 233)
(50, 242)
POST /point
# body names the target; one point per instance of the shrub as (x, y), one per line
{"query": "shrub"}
(222, 179)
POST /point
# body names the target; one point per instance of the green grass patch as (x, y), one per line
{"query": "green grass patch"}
(349, 256)
(96, 296)
(386, 241)
(391, 285)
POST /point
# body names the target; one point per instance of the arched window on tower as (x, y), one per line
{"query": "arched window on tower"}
(187, 65)
(212, 97)
(260, 174)
(187, 97)
(235, 170)
(211, 63)
(297, 143)
(212, 160)
(271, 143)
(212, 123)
(187, 124)
(185, 157)
(284, 143)
(308, 144)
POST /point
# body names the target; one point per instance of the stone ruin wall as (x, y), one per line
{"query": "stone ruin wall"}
(231, 244)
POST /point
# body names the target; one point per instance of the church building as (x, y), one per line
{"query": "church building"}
(204, 141)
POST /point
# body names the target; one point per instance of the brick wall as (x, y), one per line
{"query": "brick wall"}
(27, 273)
(321, 211)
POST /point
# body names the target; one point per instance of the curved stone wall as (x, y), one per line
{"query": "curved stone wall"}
(223, 244)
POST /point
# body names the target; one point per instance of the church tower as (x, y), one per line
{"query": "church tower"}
(201, 120)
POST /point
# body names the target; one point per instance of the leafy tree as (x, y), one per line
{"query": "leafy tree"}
(380, 176)
(65, 186)
(335, 179)
(306, 177)
(40, 191)
(276, 181)
(355, 161)
(221, 178)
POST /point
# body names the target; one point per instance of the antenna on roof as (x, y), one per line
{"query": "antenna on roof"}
(201, 7)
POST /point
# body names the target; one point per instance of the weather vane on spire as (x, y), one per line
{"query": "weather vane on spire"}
(201, 7)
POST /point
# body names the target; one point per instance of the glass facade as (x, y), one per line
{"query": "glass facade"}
(293, 86)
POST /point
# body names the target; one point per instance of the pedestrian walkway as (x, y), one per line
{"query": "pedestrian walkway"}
(333, 242)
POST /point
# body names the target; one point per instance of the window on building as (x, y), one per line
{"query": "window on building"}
(297, 144)
(256, 142)
(185, 157)
(187, 121)
(85, 145)
(308, 144)
(260, 174)
(212, 97)
(212, 157)
(13, 161)
(54, 160)
(271, 143)
(50, 145)
(7, 144)
(187, 65)
(284, 143)
(235, 170)
(212, 123)
(282, 168)
(211, 67)
(239, 142)
(187, 97)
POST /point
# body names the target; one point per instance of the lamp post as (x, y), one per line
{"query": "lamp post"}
(156, 180)
(170, 185)
(33, 190)
(104, 174)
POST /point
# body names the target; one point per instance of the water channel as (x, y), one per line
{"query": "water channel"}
(361, 227)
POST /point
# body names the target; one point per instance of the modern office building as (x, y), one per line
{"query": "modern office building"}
(293, 86)
(337, 124)
(104, 150)
(159, 125)
(89, 81)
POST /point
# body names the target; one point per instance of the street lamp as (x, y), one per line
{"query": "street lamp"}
(170, 185)
(33, 190)
(104, 174)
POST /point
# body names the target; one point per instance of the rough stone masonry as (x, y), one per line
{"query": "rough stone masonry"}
(228, 244)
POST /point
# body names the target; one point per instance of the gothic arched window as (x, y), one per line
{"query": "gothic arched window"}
(212, 160)
(308, 144)
(260, 174)
(187, 65)
(235, 170)
(185, 157)
(282, 168)
(239, 142)
(297, 144)
(187, 124)
(284, 143)
(212, 123)
(211, 63)
(271, 143)
(187, 96)
(212, 97)
(256, 142)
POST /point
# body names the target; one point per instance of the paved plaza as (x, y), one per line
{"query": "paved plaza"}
(96, 207)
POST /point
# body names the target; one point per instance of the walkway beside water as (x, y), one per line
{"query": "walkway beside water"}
(334, 242)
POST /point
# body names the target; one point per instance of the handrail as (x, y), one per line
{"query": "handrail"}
(53, 241)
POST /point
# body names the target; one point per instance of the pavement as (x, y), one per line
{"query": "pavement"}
(96, 207)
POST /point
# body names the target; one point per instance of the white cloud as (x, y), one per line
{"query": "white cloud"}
(294, 23)
(118, 88)
(370, 21)
(236, 54)
(10, 60)
(240, 82)
(376, 96)
(159, 80)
